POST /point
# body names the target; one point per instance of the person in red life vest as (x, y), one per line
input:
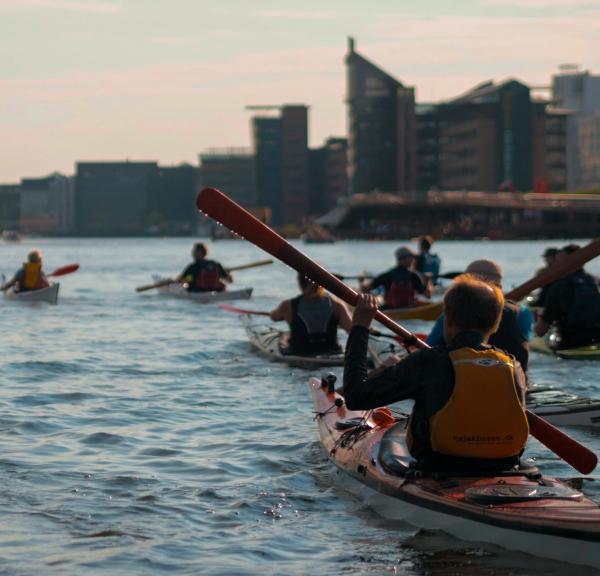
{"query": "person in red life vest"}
(313, 318)
(402, 283)
(30, 276)
(204, 275)
(469, 410)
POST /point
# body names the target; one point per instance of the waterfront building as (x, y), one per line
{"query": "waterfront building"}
(9, 207)
(46, 205)
(327, 175)
(231, 170)
(381, 128)
(280, 137)
(589, 151)
(172, 207)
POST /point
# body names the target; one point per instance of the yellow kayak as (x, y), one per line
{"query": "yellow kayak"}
(591, 352)
(424, 312)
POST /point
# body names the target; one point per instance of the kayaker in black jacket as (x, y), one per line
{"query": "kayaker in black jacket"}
(204, 275)
(313, 317)
(469, 397)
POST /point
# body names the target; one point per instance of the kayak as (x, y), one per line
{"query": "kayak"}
(428, 311)
(591, 352)
(518, 510)
(49, 294)
(556, 406)
(177, 290)
(270, 342)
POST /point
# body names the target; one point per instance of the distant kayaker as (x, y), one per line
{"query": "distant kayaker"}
(573, 304)
(402, 283)
(313, 318)
(30, 276)
(550, 256)
(516, 325)
(469, 397)
(204, 275)
(426, 263)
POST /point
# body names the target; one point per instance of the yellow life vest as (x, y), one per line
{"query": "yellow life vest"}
(32, 275)
(483, 417)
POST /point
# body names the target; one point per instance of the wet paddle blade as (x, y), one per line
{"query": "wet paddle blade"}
(63, 270)
(237, 310)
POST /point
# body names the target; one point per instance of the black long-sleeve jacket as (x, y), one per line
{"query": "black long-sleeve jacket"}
(425, 376)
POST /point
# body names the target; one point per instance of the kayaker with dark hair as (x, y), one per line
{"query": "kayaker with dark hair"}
(30, 276)
(516, 325)
(573, 304)
(469, 397)
(313, 317)
(204, 275)
(426, 263)
(401, 283)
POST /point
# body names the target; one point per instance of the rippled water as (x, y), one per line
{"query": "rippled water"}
(139, 434)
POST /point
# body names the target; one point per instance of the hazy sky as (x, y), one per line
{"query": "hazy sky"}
(165, 79)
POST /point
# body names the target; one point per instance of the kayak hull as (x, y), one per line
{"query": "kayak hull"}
(49, 295)
(591, 352)
(178, 291)
(559, 408)
(566, 530)
(266, 340)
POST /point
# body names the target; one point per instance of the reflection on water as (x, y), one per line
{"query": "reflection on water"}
(141, 436)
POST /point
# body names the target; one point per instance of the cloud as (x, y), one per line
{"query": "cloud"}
(92, 6)
(173, 40)
(571, 4)
(299, 14)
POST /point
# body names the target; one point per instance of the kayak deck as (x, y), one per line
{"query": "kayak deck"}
(554, 522)
(177, 290)
(49, 295)
(591, 352)
(267, 340)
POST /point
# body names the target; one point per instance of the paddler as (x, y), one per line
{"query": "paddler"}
(516, 325)
(426, 263)
(30, 276)
(469, 397)
(573, 304)
(204, 275)
(550, 256)
(401, 283)
(313, 318)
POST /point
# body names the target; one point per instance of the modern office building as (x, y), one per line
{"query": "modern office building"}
(328, 177)
(231, 170)
(381, 128)
(47, 205)
(589, 151)
(280, 137)
(113, 198)
(172, 208)
(9, 207)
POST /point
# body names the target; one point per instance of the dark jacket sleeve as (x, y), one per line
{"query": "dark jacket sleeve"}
(554, 301)
(381, 280)
(222, 272)
(396, 383)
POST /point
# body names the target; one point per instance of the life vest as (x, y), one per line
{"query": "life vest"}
(313, 329)
(483, 418)
(509, 336)
(208, 278)
(584, 309)
(32, 277)
(429, 264)
(401, 292)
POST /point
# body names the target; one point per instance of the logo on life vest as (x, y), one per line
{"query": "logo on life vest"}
(477, 439)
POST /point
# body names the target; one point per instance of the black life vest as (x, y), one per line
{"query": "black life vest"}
(313, 329)
(509, 336)
(584, 310)
(401, 292)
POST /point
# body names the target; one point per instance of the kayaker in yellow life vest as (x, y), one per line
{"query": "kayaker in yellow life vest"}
(30, 276)
(313, 317)
(469, 397)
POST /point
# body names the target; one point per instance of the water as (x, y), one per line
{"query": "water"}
(139, 434)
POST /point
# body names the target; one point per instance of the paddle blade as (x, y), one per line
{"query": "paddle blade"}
(237, 310)
(571, 451)
(63, 270)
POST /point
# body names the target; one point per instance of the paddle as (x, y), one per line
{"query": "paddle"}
(64, 270)
(359, 277)
(237, 310)
(168, 281)
(218, 206)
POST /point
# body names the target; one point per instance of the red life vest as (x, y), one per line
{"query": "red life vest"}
(401, 292)
(208, 278)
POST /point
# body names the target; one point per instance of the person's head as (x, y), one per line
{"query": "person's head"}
(472, 304)
(425, 243)
(486, 270)
(34, 257)
(199, 251)
(404, 256)
(308, 287)
(549, 255)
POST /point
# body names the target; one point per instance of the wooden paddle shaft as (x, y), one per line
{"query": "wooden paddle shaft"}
(251, 265)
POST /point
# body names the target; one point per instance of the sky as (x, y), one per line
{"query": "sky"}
(167, 79)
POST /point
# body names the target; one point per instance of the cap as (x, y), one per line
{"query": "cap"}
(404, 252)
(550, 252)
(487, 269)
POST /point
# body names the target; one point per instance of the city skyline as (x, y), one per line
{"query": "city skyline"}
(109, 80)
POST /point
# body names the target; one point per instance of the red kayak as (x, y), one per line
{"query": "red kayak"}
(518, 510)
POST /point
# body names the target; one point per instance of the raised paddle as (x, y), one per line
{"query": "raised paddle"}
(218, 206)
(64, 270)
(237, 310)
(169, 281)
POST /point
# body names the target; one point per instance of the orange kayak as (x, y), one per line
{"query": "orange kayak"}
(518, 510)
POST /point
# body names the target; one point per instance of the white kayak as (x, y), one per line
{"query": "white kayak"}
(556, 406)
(270, 342)
(49, 294)
(177, 290)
